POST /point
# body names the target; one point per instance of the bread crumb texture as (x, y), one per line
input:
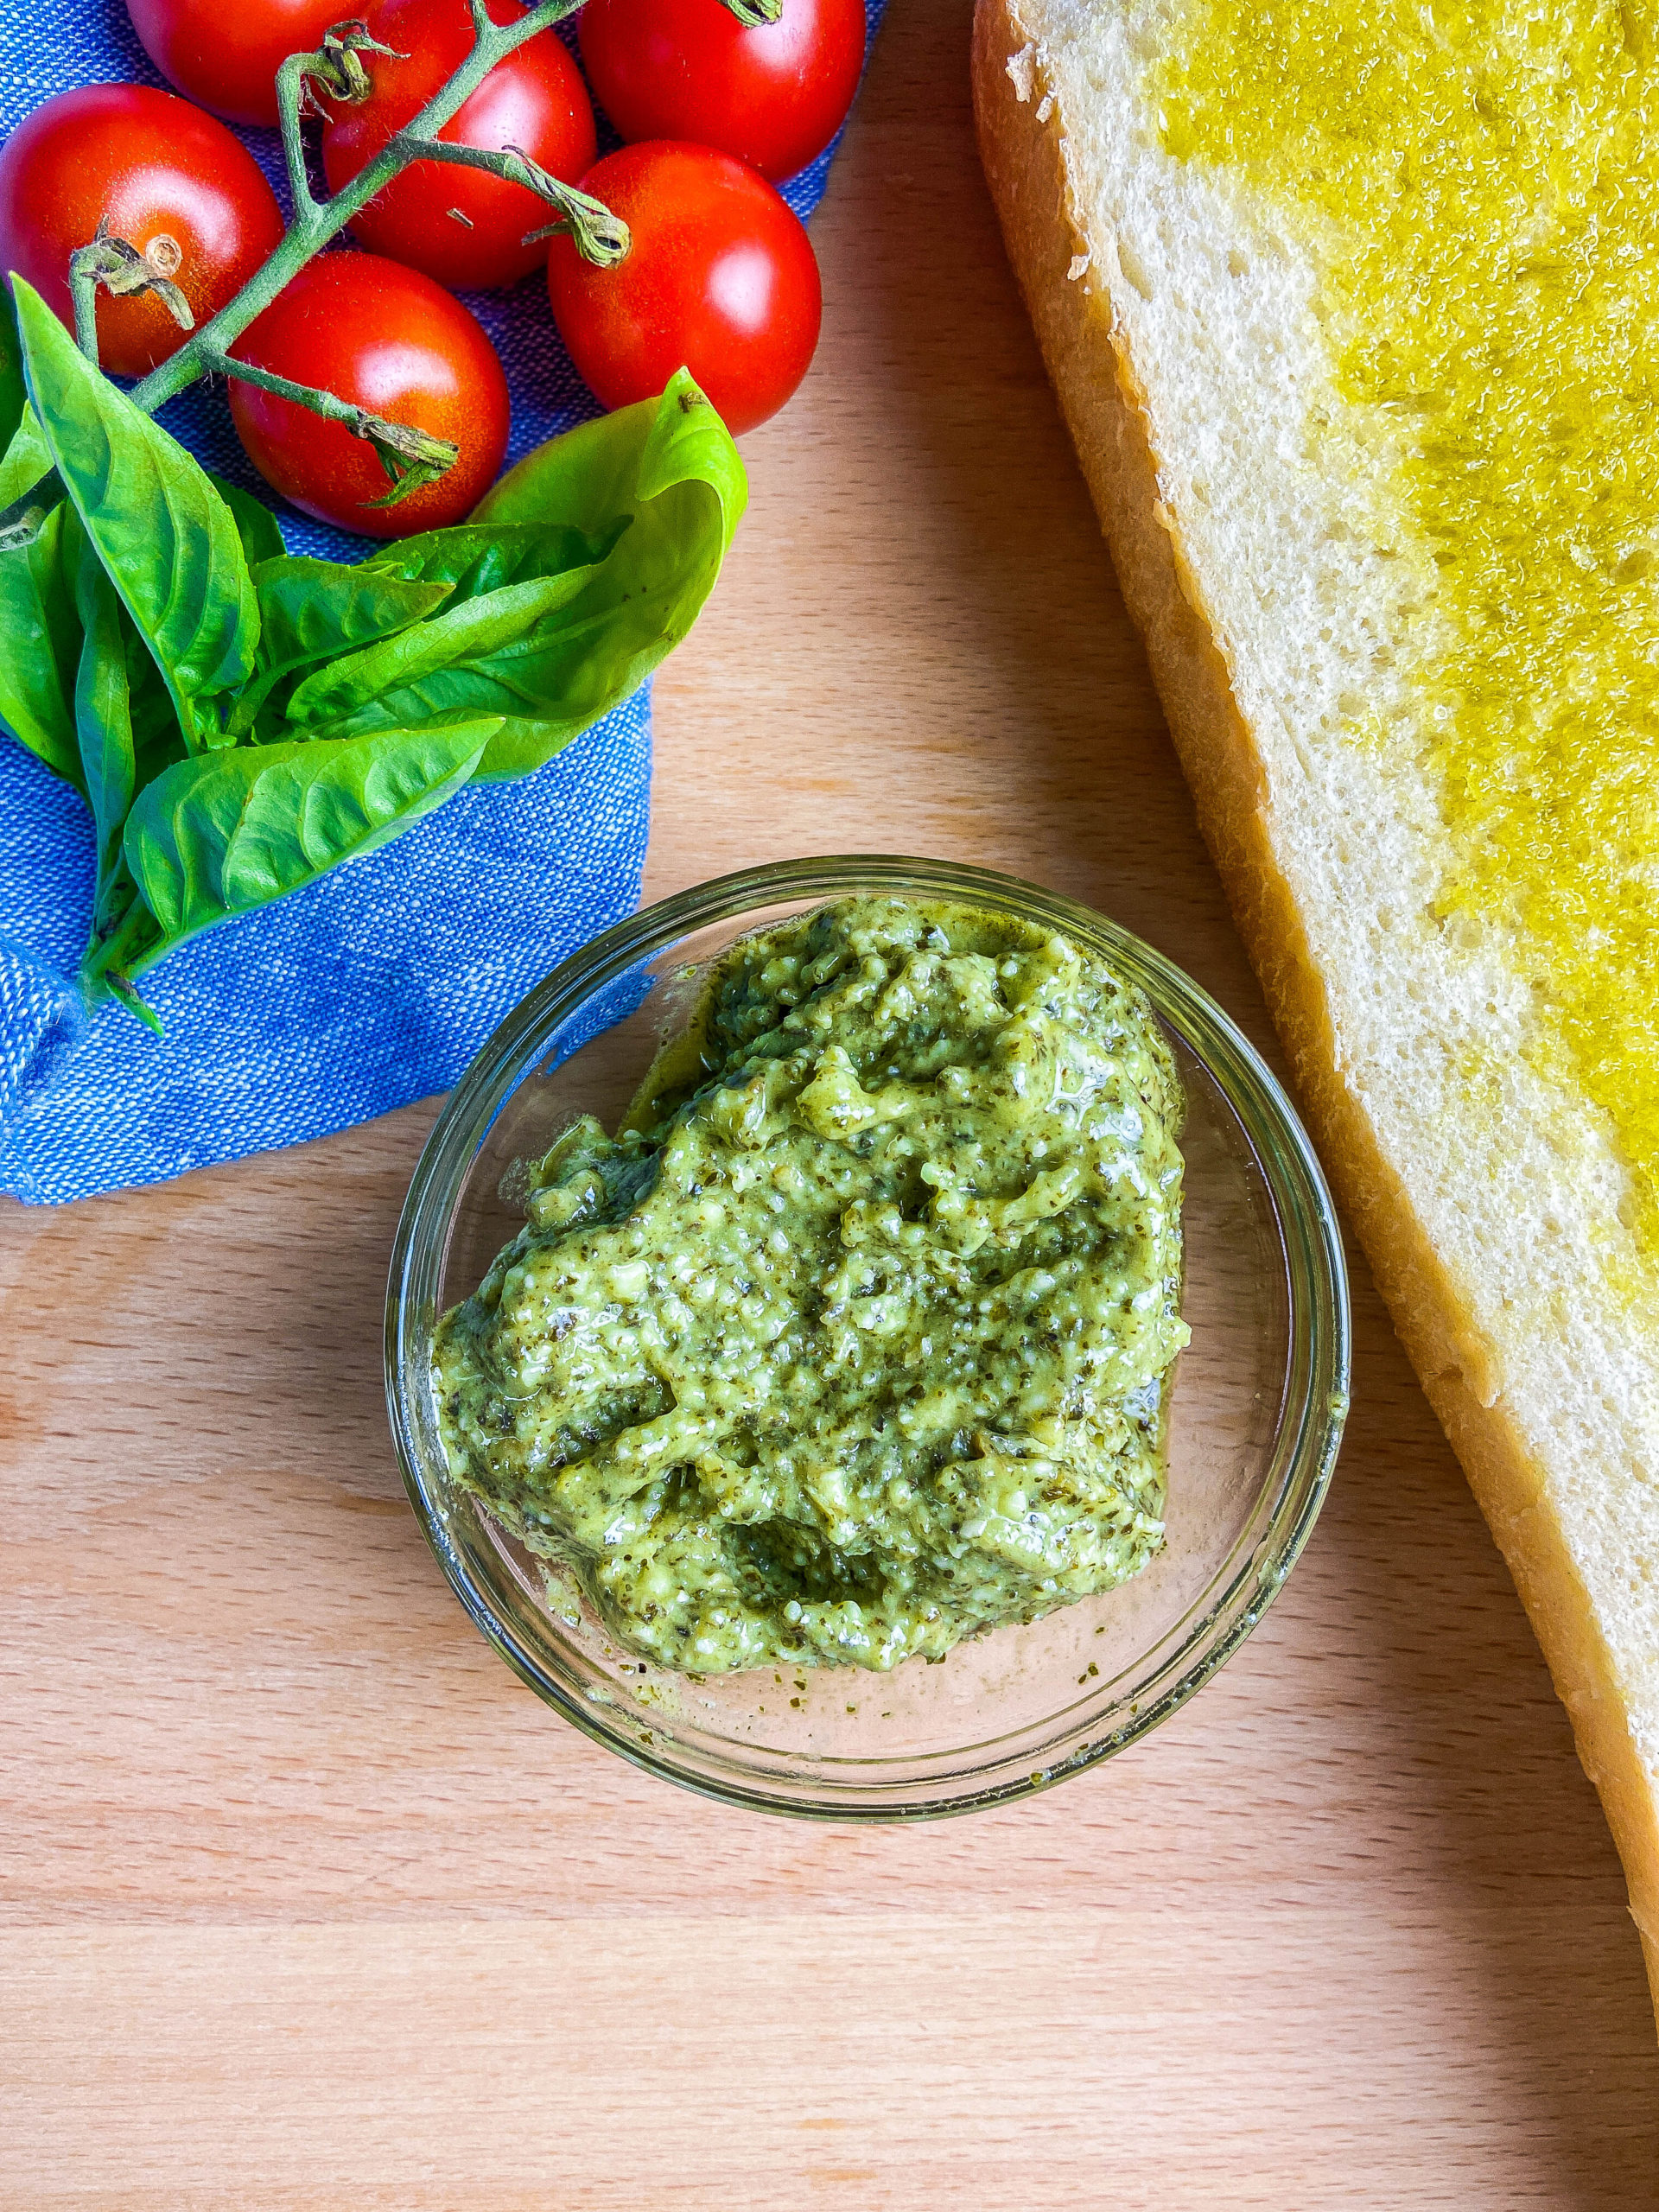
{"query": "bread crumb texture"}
(1379, 280)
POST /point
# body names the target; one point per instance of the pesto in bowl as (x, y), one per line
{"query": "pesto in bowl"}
(855, 1340)
(1247, 1429)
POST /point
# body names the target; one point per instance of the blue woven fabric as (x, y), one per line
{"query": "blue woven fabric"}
(373, 987)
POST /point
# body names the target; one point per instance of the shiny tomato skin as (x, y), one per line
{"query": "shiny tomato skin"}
(721, 279)
(385, 338)
(535, 100)
(774, 96)
(157, 166)
(226, 54)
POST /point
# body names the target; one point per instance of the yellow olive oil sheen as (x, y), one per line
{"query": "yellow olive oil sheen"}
(1481, 185)
(855, 1340)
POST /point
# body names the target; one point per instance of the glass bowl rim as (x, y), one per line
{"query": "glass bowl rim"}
(1310, 1427)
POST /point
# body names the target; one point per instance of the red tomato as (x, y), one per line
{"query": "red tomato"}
(159, 169)
(462, 226)
(227, 55)
(722, 279)
(388, 338)
(774, 96)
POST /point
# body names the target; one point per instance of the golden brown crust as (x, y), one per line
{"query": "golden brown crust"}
(1105, 411)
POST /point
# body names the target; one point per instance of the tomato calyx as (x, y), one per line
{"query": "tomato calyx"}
(411, 457)
(752, 14)
(336, 70)
(114, 264)
(598, 235)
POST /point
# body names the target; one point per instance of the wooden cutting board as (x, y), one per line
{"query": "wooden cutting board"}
(305, 1902)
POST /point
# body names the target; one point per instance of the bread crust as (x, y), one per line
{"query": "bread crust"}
(1105, 411)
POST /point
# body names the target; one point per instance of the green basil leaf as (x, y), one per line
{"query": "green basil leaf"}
(257, 528)
(13, 397)
(670, 466)
(311, 611)
(621, 461)
(317, 610)
(167, 539)
(459, 665)
(26, 461)
(40, 648)
(475, 559)
(103, 722)
(157, 740)
(655, 491)
(224, 833)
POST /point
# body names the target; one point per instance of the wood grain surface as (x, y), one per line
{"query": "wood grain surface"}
(305, 1902)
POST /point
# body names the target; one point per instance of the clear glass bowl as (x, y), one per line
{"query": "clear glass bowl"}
(1256, 1407)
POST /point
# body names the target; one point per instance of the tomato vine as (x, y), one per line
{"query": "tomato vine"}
(409, 457)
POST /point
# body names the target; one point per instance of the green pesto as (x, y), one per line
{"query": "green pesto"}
(855, 1340)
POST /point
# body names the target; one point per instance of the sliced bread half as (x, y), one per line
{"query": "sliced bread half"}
(1206, 259)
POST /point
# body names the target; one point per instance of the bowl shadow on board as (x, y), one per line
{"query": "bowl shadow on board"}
(1449, 1688)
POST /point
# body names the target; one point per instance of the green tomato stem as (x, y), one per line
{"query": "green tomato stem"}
(410, 457)
(21, 522)
(83, 290)
(112, 962)
(314, 224)
(333, 409)
(336, 65)
(290, 105)
(601, 236)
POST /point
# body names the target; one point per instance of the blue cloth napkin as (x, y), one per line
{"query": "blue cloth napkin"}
(373, 987)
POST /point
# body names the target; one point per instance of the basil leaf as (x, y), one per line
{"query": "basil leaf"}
(27, 460)
(257, 528)
(383, 687)
(127, 734)
(610, 466)
(475, 559)
(157, 740)
(103, 722)
(13, 398)
(317, 610)
(462, 664)
(40, 647)
(670, 466)
(313, 611)
(653, 493)
(222, 834)
(165, 537)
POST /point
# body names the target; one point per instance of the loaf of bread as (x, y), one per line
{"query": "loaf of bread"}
(1351, 307)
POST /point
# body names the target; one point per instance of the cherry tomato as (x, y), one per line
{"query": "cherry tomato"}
(388, 338)
(462, 226)
(226, 52)
(172, 183)
(774, 96)
(722, 279)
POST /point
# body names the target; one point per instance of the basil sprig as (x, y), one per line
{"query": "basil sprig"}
(239, 719)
